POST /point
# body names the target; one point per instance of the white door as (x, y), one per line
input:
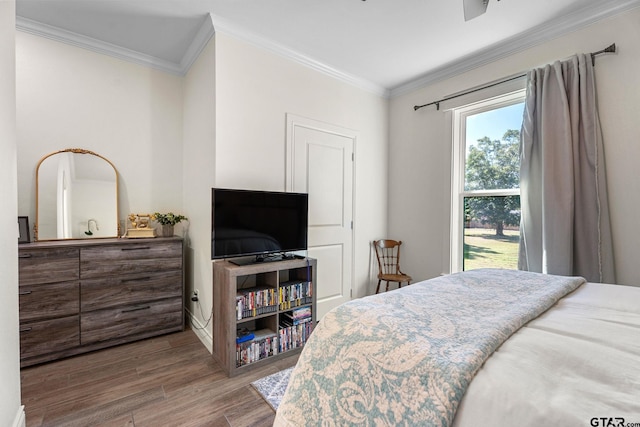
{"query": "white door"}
(320, 162)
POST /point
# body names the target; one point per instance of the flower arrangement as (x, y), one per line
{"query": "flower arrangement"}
(168, 218)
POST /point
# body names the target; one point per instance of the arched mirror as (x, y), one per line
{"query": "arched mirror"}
(76, 196)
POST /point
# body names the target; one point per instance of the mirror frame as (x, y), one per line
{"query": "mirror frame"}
(75, 151)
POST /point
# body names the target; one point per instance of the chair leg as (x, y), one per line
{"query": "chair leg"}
(378, 287)
(387, 286)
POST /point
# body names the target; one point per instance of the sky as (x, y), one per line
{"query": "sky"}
(494, 123)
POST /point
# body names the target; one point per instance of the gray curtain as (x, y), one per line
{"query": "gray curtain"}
(565, 227)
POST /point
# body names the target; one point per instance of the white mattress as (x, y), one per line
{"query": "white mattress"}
(579, 360)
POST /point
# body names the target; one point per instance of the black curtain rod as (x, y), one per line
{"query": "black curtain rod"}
(608, 49)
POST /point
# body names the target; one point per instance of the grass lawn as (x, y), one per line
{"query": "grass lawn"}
(483, 249)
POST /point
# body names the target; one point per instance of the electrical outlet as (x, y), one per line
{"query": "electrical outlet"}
(194, 295)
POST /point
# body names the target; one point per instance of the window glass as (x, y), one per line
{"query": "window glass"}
(491, 235)
(486, 208)
(492, 144)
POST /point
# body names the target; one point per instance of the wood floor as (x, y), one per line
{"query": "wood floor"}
(165, 381)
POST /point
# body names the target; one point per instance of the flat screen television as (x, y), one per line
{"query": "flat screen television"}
(257, 223)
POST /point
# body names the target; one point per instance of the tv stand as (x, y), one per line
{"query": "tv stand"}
(262, 299)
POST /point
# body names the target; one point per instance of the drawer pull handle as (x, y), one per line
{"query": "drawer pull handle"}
(25, 330)
(24, 293)
(140, 248)
(25, 255)
(146, 307)
(136, 279)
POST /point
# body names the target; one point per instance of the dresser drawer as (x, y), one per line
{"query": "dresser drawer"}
(48, 300)
(130, 289)
(108, 324)
(130, 258)
(48, 265)
(49, 336)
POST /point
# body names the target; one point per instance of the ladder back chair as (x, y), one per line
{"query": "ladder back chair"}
(388, 255)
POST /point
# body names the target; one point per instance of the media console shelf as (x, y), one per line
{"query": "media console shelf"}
(269, 307)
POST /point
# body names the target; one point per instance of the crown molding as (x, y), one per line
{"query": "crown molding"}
(225, 27)
(202, 37)
(74, 39)
(523, 41)
(205, 32)
(211, 24)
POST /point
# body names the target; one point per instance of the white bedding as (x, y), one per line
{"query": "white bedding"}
(578, 361)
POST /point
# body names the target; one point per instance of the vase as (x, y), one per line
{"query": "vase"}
(166, 230)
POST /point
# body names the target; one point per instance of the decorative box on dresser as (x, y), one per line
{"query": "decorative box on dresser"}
(83, 295)
(271, 292)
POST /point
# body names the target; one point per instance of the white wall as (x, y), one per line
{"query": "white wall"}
(68, 97)
(254, 91)
(172, 139)
(420, 145)
(198, 179)
(11, 413)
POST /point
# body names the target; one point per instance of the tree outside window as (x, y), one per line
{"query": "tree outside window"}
(487, 190)
(494, 165)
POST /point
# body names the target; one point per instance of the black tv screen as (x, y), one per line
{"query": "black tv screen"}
(247, 222)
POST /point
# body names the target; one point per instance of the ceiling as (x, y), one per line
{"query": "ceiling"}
(383, 45)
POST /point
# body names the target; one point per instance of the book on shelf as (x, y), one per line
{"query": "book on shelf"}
(287, 321)
(263, 344)
(294, 336)
(300, 313)
(295, 293)
(296, 316)
(251, 302)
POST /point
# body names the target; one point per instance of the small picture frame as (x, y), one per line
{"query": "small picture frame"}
(23, 229)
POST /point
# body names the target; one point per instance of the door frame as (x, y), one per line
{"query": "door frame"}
(293, 121)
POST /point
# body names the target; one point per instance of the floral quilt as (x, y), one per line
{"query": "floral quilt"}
(406, 357)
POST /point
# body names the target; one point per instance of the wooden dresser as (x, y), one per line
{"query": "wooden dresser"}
(83, 295)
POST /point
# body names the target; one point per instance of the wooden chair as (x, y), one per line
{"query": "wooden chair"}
(388, 254)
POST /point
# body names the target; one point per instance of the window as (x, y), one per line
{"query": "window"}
(486, 194)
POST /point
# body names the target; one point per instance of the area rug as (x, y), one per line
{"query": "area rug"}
(272, 387)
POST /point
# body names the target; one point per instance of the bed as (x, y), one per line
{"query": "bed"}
(480, 348)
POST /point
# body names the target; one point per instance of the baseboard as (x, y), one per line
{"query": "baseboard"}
(21, 420)
(201, 332)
